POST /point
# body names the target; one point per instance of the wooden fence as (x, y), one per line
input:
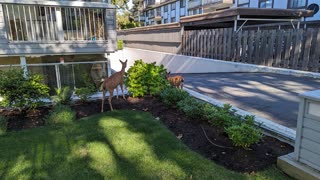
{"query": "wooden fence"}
(285, 48)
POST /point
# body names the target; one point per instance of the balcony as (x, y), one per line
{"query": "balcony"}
(56, 26)
(194, 4)
(210, 5)
(213, 5)
(152, 3)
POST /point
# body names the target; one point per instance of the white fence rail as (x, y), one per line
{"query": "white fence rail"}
(52, 23)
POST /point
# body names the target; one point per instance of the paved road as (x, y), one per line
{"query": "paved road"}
(272, 96)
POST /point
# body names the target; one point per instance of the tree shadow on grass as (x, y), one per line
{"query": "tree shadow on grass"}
(119, 144)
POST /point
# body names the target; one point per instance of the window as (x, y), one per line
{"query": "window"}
(158, 12)
(166, 8)
(265, 3)
(195, 11)
(165, 21)
(297, 4)
(173, 6)
(173, 19)
(182, 3)
(243, 3)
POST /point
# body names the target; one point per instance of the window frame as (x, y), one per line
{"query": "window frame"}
(260, 1)
(300, 7)
(243, 4)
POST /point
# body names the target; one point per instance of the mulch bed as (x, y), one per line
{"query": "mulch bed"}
(258, 157)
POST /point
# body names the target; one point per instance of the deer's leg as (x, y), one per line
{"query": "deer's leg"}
(103, 97)
(121, 86)
(110, 99)
(117, 92)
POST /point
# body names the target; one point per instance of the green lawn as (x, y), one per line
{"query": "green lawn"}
(119, 144)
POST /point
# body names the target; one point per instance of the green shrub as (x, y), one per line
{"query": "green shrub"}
(84, 92)
(223, 116)
(63, 95)
(3, 125)
(171, 96)
(120, 44)
(192, 108)
(245, 134)
(145, 79)
(60, 115)
(20, 92)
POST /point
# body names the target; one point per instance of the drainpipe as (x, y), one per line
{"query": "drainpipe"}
(23, 64)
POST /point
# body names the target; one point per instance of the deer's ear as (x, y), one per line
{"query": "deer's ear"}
(126, 61)
(120, 60)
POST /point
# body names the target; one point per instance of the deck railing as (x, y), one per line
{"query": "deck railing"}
(54, 21)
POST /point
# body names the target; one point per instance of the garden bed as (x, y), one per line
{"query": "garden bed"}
(259, 157)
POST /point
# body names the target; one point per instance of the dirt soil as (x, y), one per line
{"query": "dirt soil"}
(191, 133)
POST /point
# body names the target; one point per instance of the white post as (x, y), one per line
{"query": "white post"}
(23, 64)
(107, 57)
(60, 31)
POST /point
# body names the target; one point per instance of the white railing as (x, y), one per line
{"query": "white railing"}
(194, 3)
(30, 22)
(206, 2)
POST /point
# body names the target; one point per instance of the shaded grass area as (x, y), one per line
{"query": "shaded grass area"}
(120, 144)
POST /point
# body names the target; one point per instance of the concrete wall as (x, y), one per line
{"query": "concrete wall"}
(188, 64)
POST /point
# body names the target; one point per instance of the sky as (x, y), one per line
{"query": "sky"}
(130, 4)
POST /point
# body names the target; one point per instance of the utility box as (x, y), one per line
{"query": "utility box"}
(307, 145)
(304, 163)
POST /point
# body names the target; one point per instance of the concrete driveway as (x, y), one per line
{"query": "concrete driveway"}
(271, 96)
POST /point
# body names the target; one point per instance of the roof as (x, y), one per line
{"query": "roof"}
(225, 18)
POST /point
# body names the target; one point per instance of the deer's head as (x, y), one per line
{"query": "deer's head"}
(168, 75)
(124, 64)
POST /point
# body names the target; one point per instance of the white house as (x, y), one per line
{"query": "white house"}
(58, 39)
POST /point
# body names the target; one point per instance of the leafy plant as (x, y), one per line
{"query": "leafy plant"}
(171, 96)
(60, 115)
(3, 125)
(192, 108)
(145, 79)
(22, 92)
(63, 95)
(244, 135)
(120, 44)
(84, 92)
(224, 116)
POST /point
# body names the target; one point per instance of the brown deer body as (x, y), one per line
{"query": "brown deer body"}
(176, 81)
(110, 83)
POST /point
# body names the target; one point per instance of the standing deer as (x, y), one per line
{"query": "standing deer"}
(110, 83)
(176, 81)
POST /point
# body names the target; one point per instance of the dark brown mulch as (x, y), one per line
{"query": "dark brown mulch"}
(260, 156)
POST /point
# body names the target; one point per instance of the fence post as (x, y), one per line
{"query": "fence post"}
(60, 32)
(58, 75)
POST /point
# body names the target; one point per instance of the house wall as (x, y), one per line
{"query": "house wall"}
(307, 143)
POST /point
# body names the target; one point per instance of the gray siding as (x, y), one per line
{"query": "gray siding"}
(162, 38)
(307, 148)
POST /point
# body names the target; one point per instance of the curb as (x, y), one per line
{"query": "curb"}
(279, 131)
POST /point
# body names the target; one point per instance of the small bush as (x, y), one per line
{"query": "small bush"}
(171, 96)
(120, 44)
(20, 92)
(63, 95)
(3, 125)
(223, 116)
(192, 108)
(145, 79)
(84, 92)
(245, 134)
(60, 115)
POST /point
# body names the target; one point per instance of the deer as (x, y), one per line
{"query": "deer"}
(176, 81)
(111, 83)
